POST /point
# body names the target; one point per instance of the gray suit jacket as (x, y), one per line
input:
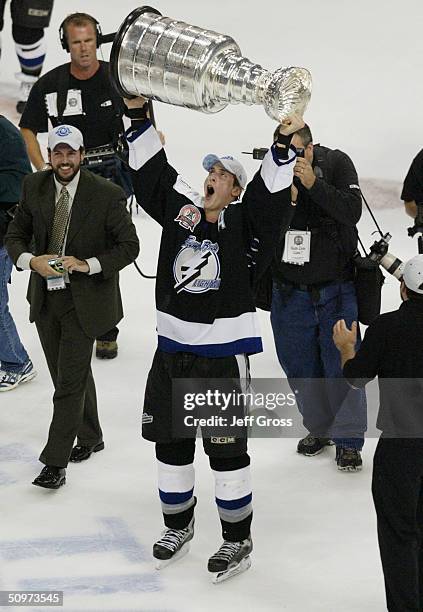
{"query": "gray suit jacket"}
(100, 227)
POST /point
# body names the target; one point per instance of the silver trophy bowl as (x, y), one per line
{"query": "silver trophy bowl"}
(181, 64)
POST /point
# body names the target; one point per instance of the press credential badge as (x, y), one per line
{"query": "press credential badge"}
(297, 247)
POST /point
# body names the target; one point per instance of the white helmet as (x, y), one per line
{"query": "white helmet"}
(413, 274)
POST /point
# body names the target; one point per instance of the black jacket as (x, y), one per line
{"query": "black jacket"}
(413, 183)
(14, 166)
(392, 349)
(100, 227)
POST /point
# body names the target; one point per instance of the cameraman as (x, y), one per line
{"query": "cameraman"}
(80, 93)
(392, 349)
(312, 285)
(412, 191)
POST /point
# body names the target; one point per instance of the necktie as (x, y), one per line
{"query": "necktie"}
(61, 216)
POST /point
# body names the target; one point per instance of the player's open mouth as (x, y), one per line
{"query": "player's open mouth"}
(209, 190)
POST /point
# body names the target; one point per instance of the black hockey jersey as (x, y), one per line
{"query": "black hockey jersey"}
(204, 295)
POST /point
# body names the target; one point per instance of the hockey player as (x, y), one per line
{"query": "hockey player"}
(29, 18)
(206, 320)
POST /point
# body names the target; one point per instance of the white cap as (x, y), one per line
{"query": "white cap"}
(65, 134)
(230, 164)
(413, 274)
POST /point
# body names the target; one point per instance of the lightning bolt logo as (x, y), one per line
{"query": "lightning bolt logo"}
(192, 270)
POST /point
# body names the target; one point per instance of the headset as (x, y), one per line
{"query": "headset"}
(64, 41)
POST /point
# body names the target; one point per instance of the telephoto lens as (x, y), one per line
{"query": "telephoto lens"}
(393, 265)
(379, 253)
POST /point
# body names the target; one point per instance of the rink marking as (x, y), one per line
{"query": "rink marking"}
(5, 479)
(116, 537)
(96, 585)
(17, 452)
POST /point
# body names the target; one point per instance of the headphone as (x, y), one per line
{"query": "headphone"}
(64, 41)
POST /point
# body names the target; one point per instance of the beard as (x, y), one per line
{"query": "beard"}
(67, 177)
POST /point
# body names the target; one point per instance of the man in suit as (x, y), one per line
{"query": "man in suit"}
(79, 220)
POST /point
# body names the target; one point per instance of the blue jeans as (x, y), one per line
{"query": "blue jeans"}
(13, 355)
(302, 329)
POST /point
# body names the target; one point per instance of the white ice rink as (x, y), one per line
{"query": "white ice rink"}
(314, 529)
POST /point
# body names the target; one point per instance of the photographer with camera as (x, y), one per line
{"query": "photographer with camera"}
(80, 93)
(15, 365)
(312, 288)
(392, 350)
(82, 237)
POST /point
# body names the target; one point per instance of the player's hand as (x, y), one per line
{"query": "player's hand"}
(294, 194)
(304, 170)
(291, 124)
(39, 264)
(344, 337)
(72, 264)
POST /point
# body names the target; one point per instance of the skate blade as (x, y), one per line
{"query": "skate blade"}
(162, 563)
(242, 566)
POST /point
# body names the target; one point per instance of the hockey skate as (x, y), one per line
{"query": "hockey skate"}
(231, 559)
(26, 81)
(173, 545)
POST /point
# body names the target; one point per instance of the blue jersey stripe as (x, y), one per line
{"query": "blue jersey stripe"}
(283, 162)
(234, 504)
(132, 134)
(237, 347)
(31, 63)
(175, 498)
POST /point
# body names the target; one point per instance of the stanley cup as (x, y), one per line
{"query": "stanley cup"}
(173, 62)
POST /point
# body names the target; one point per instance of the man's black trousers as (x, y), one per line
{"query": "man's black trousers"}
(68, 352)
(398, 497)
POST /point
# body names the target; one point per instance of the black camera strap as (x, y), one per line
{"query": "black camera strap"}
(322, 164)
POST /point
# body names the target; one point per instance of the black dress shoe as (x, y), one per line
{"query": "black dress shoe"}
(51, 477)
(80, 453)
